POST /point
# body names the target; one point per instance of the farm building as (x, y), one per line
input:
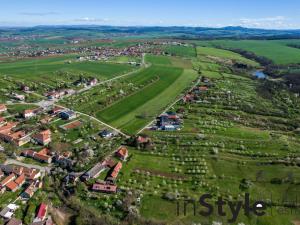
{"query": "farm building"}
(94, 172)
(103, 187)
(115, 172)
(72, 125)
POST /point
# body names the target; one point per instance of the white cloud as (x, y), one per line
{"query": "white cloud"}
(92, 20)
(276, 22)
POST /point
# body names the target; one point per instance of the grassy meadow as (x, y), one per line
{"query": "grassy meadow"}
(276, 50)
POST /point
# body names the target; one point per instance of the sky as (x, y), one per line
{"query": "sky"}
(271, 14)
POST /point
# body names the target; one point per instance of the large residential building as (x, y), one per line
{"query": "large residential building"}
(18, 138)
(43, 155)
(43, 137)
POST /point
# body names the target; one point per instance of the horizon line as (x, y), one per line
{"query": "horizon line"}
(148, 26)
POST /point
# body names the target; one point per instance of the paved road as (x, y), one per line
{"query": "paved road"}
(49, 103)
(105, 124)
(43, 170)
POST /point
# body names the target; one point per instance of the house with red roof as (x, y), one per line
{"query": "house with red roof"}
(18, 138)
(8, 127)
(20, 180)
(42, 213)
(103, 187)
(43, 138)
(114, 174)
(122, 153)
(56, 110)
(8, 179)
(43, 156)
(12, 186)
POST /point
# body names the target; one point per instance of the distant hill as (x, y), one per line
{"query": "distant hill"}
(168, 32)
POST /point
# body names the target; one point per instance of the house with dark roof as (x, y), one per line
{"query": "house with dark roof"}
(67, 115)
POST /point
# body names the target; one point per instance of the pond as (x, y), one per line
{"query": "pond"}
(260, 74)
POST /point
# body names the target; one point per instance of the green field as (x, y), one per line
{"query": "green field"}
(181, 51)
(160, 60)
(224, 54)
(276, 50)
(46, 74)
(42, 68)
(133, 112)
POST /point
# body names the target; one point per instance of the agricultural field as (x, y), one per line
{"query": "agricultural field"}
(278, 51)
(181, 51)
(129, 108)
(235, 140)
(224, 54)
(51, 73)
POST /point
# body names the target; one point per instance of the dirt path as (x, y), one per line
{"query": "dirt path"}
(60, 216)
